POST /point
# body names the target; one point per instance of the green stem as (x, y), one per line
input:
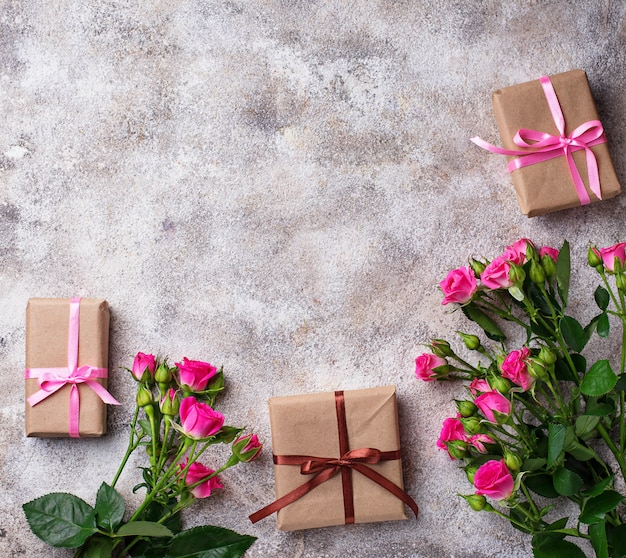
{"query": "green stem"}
(132, 446)
(611, 445)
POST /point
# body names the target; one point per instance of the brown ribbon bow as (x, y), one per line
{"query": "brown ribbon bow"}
(324, 468)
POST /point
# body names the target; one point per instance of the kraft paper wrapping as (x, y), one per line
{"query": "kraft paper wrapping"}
(547, 186)
(307, 425)
(47, 324)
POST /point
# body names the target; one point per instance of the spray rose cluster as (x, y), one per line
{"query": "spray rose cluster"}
(174, 423)
(538, 420)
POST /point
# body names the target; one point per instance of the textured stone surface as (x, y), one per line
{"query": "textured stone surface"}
(276, 186)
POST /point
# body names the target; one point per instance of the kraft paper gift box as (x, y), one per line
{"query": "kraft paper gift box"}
(308, 427)
(48, 347)
(548, 185)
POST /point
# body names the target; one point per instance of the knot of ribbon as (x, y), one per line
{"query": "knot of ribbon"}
(536, 146)
(51, 380)
(324, 468)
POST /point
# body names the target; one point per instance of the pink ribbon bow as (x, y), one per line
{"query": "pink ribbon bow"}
(537, 146)
(52, 380)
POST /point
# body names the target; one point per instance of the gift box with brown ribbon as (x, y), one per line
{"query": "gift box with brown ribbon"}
(67, 346)
(337, 459)
(555, 143)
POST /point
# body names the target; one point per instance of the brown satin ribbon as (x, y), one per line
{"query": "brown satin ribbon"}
(324, 468)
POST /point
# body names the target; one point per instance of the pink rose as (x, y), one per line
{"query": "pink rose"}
(479, 441)
(459, 286)
(494, 479)
(609, 255)
(514, 368)
(195, 374)
(143, 364)
(479, 384)
(451, 430)
(547, 250)
(247, 448)
(425, 365)
(198, 472)
(496, 274)
(517, 252)
(492, 401)
(198, 420)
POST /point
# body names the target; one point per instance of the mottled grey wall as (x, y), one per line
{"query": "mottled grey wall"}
(278, 187)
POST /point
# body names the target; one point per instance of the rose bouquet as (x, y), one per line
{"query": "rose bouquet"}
(174, 423)
(539, 422)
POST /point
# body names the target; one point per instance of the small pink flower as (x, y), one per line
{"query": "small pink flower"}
(196, 473)
(514, 368)
(492, 401)
(479, 385)
(451, 430)
(195, 374)
(425, 365)
(198, 420)
(610, 254)
(459, 286)
(493, 479)
(247, 448)
(143, 363)
(497, 274)
(547, 250)
(479, 441)
(517, 252)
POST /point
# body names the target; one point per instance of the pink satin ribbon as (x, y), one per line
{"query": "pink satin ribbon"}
(52, 380)
(541, 146)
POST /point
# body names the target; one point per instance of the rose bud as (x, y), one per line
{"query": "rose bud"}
(197, 472)
(247, 448)
(195, 374)
(170, 403)
(198, 420)
(143, 367)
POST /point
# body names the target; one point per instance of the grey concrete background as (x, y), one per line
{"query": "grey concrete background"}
(278, 187)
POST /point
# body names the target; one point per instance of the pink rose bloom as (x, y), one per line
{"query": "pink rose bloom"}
(424, 365)
(493, 479)
(609, 254)
(459, 286)
(517, 252)
(451, 430)
(247, 448)
(196, 473)
(492, 401)
(143, 363)
(198, 420)
(479, 441)
(514, 368)
(479, 384)
(547, 250)
(496, 274)
(195, 374)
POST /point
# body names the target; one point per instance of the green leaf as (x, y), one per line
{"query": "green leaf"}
(209, 542)
(485, 322)
(559, 548)
(546, 538)
(542, 485)
(596, 409)
(580, 452)
(586, 424)
(110, 508)
(617, 540)
(563, 272)
(556, 442)
(573, 333)
(533, 464)
(600, 379)
(621, 383)
(61, 520)
(566, 482)
(601, 295)
(227, 434)
(604, 327)
(595, 508)
(597, 531)
(600, 487)
(97, 547)
(143, 529)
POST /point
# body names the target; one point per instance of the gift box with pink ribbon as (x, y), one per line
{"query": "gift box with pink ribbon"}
(555, 143)
(67, 345)
(336, 459)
